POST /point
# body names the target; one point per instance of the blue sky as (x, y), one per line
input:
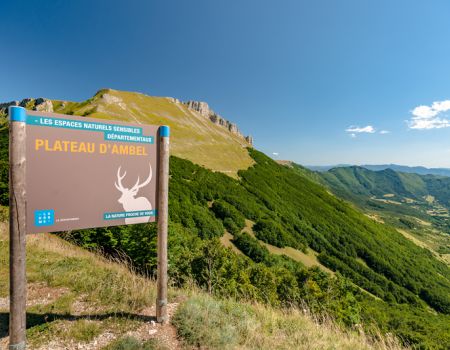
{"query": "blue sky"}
(314, 81)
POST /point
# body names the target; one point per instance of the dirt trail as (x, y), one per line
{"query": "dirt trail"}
(165, 335)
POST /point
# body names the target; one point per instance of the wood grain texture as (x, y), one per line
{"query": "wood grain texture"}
(17, 229)
(163, 201)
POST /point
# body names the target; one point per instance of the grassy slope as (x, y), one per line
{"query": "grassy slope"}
(308, 258)
(194, 137)
(73, 295)
(77, 297)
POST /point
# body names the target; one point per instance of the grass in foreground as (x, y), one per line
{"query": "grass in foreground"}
(205, 322)
(75, 296)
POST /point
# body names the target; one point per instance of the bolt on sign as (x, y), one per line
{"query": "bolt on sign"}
(83, 172)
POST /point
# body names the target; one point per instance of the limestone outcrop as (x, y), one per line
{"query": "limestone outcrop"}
(35, 104)
(204, 110)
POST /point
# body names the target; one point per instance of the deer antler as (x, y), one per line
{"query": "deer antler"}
(146, 182)
(119, 180)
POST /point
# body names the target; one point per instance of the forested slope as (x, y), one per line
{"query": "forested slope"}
(342, 234)
(290, 210)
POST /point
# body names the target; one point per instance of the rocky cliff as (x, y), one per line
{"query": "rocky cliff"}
(35, 104)
(204, 109)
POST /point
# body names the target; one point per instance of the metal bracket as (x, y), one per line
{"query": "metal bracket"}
(20, 346)
(164, 131)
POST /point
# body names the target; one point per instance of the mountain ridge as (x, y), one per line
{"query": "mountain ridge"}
(199, 134)
(421, 170)
(46, 105)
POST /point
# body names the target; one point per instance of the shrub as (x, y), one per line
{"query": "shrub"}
(251, 247)
(224, 210)
(271, 232)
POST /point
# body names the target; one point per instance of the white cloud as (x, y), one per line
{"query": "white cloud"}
(356, 129)
(424, 112)
(353, 135)
(429, 117)
(276, 154)
(441, 106)
(383, 132)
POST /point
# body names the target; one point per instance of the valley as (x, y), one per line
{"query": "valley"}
(417, 205)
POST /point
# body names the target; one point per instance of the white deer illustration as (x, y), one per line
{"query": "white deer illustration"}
(128, 200)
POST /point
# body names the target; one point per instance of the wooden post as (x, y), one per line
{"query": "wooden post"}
(163, 217)
(17, 228)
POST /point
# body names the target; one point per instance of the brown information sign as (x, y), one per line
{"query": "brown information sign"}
(84, 172)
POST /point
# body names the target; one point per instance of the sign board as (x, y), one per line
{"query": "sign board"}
(69, 173)
(84, 172)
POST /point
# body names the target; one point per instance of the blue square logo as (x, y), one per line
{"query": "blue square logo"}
(44, 217)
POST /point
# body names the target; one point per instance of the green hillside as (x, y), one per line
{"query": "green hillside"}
(381, 281)
(425, 197)
(366, 182)
(388, 184)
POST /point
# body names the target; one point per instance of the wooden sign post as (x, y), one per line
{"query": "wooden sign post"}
(163, 217)
(71, 172)
(17, 228)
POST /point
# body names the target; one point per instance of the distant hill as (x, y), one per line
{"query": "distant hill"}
(418, 205)
(388, 184)
(410, 169)
(402, 168)
(325, 167)
(360, 180)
